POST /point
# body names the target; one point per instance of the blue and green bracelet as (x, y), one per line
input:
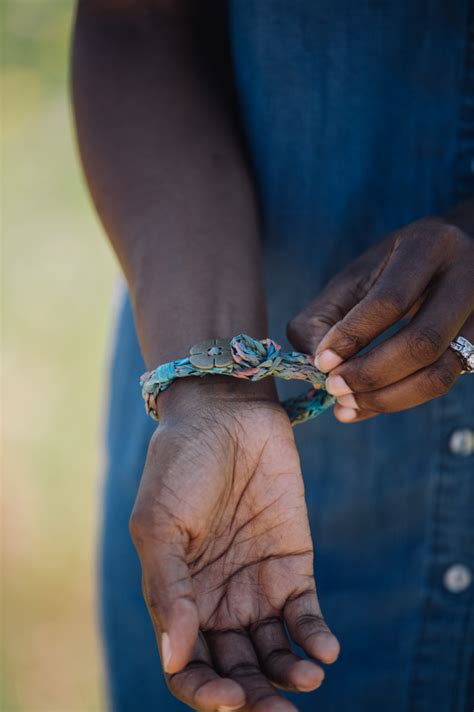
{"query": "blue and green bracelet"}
(243, 357)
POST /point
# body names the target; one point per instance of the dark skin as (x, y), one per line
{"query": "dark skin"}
(220, 521)
(424, 273)
(232, 554)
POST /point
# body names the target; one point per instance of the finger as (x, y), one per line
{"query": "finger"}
(199, 686)
(419, 344)
(234, 656)
(308, 628)
(402, 282)
(422, 386)
(307, 329)
(278, 661)
(337, 298)
(346, 414)
(167, 586)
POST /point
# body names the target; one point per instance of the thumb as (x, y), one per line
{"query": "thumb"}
(306, 330)
(167, 586)
(340, 295)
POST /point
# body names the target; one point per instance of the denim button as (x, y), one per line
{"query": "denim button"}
(457, 578)
(461, 442)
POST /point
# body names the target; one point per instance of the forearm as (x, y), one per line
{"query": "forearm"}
(166, 168)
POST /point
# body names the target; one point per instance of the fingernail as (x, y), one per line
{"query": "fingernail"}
(166, 650)
(224, 708)
(327, 360)
(337, 386)
(348, 401)
(345, 415)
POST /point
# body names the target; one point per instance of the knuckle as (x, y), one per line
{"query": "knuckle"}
(307, 328)
(458, 247)
(425, 345)
(361, 377)
(359, 285)
(429, 225)
(195, 670)
(455, 237)
(440, 379)
(243, 669)
(312, 621)
(275, 657)
(422, 232)
(450, 238)
(373, 403)
(390, 303)
(426, 227)
(347, 340)
(264, 623)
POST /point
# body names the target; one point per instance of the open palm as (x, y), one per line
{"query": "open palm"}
(222, 530)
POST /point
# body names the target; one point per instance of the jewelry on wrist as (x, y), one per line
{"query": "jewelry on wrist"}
(248, 358)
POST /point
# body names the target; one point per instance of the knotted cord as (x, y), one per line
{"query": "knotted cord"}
(248, 358)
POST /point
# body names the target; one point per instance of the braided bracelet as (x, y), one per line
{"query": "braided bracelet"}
(243, 357)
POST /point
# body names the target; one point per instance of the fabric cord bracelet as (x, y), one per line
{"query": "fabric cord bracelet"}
(243, 357)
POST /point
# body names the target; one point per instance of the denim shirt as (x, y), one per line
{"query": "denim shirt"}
(359, 119)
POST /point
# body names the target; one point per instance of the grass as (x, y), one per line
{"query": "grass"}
(58, 276)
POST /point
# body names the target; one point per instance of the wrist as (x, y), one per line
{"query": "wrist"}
(244, 358)
(189, 394)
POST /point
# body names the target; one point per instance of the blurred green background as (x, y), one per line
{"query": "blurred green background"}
(57, 287)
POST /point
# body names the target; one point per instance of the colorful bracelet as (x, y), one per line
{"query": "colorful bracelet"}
(243, 357)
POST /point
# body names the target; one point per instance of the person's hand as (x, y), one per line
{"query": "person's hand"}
(221, 528)
(424, 272)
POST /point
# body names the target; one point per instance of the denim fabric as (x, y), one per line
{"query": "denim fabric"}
(359, 119)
